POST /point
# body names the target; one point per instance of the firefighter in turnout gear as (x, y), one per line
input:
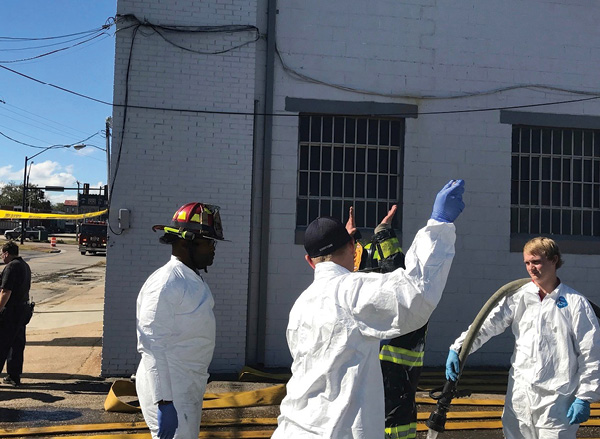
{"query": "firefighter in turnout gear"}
(401, 357)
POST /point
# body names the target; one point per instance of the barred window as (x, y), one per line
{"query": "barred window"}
(555, 181)
(349, 161)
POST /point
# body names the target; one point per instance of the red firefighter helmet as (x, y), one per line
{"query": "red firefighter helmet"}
(195, 220)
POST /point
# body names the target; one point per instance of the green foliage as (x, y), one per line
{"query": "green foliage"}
(11, 195)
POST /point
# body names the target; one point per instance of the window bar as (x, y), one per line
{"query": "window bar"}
(519, 202)
(354, 179)
(560, 204)
(343, 171)
(309, 195)
(594, 186)
(321, 166)
(389, 169)
(541, 180)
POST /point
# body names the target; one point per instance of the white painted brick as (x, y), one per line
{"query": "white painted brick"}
(409, 48)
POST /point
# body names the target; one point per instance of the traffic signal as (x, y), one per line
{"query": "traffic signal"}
(86, 188)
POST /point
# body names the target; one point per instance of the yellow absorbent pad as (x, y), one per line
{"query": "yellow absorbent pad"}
(123, 390)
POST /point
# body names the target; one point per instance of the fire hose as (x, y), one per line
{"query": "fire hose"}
(444, 395)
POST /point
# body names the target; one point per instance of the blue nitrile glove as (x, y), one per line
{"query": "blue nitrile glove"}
(167, 421)
(452, 366)
(579, 412)
(448, 202)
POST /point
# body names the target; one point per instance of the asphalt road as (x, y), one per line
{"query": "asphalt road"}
(61, 378)
(52, 267)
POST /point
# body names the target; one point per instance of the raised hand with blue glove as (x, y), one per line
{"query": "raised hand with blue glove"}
(167, 420)
(579, 412)
(448, 202)
(452, 366)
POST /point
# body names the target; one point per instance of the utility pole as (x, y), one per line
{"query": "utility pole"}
(24, 200)
(108, 127)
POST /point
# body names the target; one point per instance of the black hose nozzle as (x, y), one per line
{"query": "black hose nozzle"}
(437, 419)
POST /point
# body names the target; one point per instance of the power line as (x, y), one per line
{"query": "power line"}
(595, 95)
(40, 117)
(44, 147)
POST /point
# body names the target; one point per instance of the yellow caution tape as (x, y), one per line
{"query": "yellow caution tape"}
(9, 214)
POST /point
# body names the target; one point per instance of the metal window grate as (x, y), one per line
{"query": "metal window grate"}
(555, 182)
(349, 161)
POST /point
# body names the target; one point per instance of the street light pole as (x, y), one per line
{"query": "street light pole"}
(25, 183)
(24, 200)
(108, 127)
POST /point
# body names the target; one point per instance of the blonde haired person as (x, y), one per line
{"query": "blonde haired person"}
(555, 372)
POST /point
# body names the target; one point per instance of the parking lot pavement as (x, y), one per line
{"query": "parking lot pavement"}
(61, 384)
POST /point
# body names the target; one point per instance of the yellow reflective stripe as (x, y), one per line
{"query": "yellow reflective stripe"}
(389, 247)
(182, 215)
(408, 431)
(358, 251)
(397, 355)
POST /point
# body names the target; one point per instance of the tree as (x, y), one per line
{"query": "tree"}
(11, 195)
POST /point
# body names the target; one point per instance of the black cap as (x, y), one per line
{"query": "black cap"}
(324, 236)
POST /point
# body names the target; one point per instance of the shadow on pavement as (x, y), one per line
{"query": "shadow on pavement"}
(68, 341)
(16, 415)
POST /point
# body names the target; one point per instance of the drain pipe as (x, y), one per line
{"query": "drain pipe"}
(437, 419)
(256, 340)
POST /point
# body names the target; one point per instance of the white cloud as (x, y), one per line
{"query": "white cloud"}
(7, 174)
(47, 173)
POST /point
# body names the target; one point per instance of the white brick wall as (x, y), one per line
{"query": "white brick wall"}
(387, 49)
(171, 158)
(437, 48)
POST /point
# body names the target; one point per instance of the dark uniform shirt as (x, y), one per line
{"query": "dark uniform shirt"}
(16, 277)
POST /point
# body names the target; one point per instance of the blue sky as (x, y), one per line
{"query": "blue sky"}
(42, 115)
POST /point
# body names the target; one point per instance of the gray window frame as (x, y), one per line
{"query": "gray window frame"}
(369, 110)
(574, 126)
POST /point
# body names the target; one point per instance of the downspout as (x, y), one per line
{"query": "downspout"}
(256, 348)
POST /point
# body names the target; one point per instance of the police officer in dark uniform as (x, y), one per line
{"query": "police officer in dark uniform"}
(15, 311)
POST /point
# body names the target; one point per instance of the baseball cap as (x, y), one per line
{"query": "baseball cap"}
(324, 236)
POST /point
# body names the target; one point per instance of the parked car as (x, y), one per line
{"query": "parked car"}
(16, 233)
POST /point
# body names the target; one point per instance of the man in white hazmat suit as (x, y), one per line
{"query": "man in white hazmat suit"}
(335, 326)
(555, 372)
(176, 326)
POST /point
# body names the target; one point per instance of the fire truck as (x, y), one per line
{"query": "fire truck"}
(91, 237)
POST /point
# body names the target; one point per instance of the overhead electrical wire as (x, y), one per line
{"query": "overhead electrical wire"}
(8, 107)
(87, 32)
(85, 36)
(44, 147)
(37, 125)
(294, 73)
(592, 95)
(163, 30)
(24, 49)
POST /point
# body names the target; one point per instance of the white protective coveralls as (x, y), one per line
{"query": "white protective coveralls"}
(334, 331)
(556, 359)
(176, 337)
